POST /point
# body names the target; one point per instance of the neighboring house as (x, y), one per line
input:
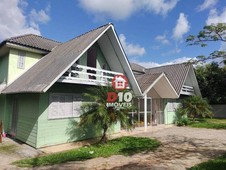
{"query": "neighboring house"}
(42, 82)
(162, 88)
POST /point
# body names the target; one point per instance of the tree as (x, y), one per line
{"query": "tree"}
(98, 114)
(210, 33)
(195, 106)
(212, 80)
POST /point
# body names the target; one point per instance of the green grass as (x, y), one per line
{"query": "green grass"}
(120, 146)
(208, 123)
(8, 149)
(215, 164)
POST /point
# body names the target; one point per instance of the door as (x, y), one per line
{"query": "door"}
(91, 61)
(157, 114)
(14, 116)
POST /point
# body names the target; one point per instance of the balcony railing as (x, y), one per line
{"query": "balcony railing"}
(187, 90)
(80, 74)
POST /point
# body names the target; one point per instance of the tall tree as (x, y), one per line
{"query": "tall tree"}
(98, 114)
(212, 81)
(210, 33)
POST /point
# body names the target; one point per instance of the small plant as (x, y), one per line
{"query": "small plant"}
(180, 118)
(196, 107)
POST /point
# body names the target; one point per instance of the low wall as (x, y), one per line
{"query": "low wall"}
(219, 111)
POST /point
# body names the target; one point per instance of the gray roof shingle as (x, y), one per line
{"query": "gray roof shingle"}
(146, 80)
(176, 74)
(33, 41)
(47, 70)
(137, 67)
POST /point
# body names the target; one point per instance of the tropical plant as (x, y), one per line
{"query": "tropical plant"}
(195, 106)
(97, 113)
(180, 118)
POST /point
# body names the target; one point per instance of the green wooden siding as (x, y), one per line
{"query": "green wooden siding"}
(13, 71)
(28, 112)
(5, 111)
(3, 69)
(100, 61)
(169, 114)
(58, 131)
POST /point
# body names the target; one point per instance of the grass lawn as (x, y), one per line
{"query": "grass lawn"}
(209, 123)
(120, 146)
(215, 164)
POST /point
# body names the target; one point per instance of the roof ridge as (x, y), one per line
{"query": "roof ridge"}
(166, 65)
(90, 31)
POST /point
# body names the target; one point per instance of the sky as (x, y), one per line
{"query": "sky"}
(152, 32)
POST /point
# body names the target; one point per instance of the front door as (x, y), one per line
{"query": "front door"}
(14, 116)
(157, 111)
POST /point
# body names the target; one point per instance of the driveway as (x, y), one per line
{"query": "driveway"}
(182, 147)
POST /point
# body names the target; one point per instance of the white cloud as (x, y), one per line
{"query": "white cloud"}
(153, 64)
(207, 4)
(214, 17)
(161, 7)
(176, 50)
(131, 49)
(39, 17)
(181, 28)
(14, 20)
(119, 10)
(162, 39)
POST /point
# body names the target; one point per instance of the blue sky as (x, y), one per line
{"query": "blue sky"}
(152, 32)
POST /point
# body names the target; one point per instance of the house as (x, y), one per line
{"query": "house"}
(42, 82)
(162, 88)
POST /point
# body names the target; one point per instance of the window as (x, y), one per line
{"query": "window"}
(21, 60)
(64, 105)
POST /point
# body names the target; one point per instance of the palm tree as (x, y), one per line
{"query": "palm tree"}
(98, 114)
(196, 106)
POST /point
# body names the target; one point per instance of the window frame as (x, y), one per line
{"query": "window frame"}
(75, 103)
(21, 60)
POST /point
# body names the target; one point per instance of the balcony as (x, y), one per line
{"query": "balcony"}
(80, 74)
(187, 90)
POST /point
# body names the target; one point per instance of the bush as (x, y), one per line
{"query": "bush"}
(180, 118)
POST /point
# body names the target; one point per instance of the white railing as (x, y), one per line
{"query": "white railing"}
(88, 75)
(187, 90)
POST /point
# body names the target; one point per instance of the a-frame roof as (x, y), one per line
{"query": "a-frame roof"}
(176, 74)
(51, 67)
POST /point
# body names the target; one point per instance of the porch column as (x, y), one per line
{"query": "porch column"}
(145, 112)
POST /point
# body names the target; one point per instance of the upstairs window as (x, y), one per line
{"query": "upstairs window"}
(21, 60)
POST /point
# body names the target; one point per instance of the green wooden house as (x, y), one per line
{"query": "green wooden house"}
(42, 82)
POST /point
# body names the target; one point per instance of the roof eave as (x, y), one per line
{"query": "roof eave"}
(25, 48)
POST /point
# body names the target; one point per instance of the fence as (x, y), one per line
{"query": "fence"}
(219, 111)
